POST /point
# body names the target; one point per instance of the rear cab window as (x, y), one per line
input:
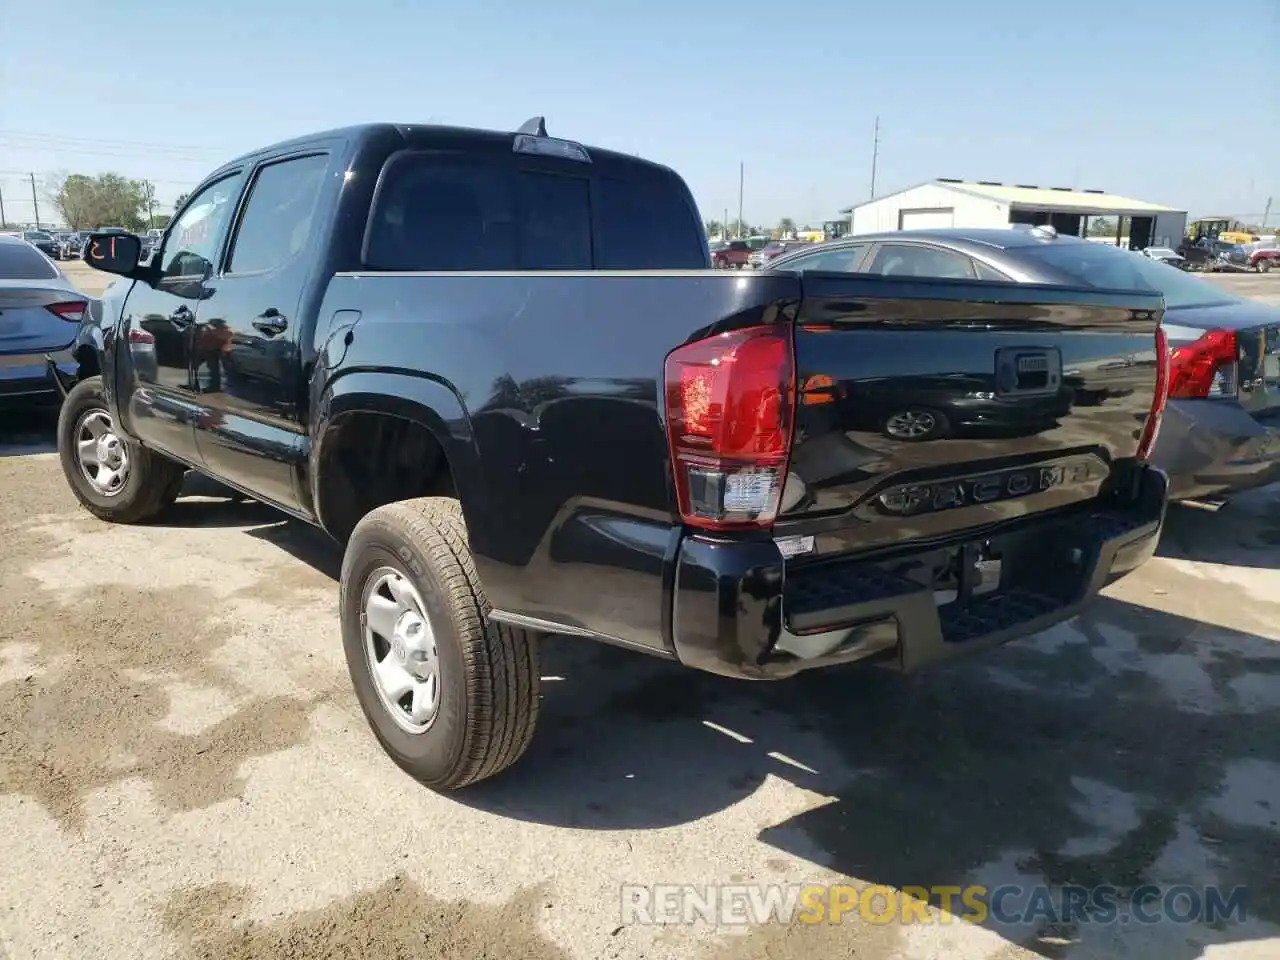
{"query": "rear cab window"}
(18, 261)
(435, 212)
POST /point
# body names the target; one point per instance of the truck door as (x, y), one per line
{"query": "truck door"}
(249, 431)
(157, 336)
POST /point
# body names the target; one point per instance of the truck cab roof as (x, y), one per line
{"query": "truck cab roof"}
(431, 136)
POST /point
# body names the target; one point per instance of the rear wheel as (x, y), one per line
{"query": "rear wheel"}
(452, 699)
(112, 476)
(1264, 266)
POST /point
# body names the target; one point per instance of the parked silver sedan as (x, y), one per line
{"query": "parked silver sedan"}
(1221, 429)
(40, 314)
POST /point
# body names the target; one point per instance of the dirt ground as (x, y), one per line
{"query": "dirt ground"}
(184, 771)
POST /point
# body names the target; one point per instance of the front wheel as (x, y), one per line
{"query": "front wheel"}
(112, 476)
(452, 698)
(1264, 266)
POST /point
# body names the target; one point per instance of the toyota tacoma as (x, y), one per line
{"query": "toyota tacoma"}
(500, 370)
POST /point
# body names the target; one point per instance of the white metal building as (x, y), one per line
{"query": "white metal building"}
(976, 204)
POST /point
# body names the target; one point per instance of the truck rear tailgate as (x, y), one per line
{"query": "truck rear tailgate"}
(925, 408)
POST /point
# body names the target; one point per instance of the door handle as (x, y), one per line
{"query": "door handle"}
(270, 323)
(182, 317)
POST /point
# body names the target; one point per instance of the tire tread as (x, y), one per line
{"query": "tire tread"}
(501, 662)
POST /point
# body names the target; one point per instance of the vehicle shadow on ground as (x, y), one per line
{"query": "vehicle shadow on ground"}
(1097, 753)
(24, 431)
(1125, 747)
(1244, 533)
(206, 503)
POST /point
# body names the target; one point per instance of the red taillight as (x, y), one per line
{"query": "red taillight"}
(1152, 428)
(1206, 367)
(730, 401)
(71, 310)
(141, 336)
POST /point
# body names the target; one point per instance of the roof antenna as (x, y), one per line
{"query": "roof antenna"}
(534, 127)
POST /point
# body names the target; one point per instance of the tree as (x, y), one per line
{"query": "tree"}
(714, 228)
(786, 226)
(149, 202)
(161, 220)
(108, 199)
(182, 198)
(73, 196)
(1102, 227)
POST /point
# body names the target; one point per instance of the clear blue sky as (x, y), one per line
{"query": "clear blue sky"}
(1162, 101)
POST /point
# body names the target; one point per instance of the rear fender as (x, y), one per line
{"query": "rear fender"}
(431, 402)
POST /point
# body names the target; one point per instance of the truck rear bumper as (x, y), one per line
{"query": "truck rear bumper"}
(734, 601)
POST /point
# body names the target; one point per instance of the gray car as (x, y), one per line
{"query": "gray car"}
(40, 313)
(1221, 430)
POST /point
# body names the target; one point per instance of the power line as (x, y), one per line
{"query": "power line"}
(121, 154)
(57, 139)
(46, 177)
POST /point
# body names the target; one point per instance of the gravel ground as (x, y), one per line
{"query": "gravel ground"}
(184, 772)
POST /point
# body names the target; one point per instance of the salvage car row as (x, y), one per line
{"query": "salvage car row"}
(509, 384)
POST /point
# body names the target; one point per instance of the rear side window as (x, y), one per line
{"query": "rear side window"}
(446, 215)
(645, 226)
(21, 262)
(437, 216)
(909, 260)
(989, 273)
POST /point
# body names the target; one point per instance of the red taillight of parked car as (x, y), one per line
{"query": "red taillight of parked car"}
(730, 405)
(1205, 368)
(71, 310)
(1163, 366)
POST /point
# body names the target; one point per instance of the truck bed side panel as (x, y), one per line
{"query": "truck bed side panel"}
(560, 375)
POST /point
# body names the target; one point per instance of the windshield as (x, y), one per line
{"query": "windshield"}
(1102, 265)
(36, 235)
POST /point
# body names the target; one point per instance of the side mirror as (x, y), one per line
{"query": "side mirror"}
(113, 253)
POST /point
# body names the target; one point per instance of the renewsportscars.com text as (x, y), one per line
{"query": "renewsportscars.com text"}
(754, 904)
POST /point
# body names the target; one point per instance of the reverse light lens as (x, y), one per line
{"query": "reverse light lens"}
(730, 401)
(72, 310)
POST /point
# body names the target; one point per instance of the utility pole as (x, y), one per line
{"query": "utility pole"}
(3, 221)
(1266, 214)
(34, 202)
(741, 174)
(151, 203)
(875, 156)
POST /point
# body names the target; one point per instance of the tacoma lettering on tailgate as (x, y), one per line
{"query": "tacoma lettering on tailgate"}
(916, 498)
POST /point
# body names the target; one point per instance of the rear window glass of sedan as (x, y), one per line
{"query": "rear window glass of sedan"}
(1102, 265)
(21, 262)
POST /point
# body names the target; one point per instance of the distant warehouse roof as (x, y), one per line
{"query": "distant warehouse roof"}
(1030, 196)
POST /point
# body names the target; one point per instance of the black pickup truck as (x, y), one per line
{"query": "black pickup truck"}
(499, 368)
